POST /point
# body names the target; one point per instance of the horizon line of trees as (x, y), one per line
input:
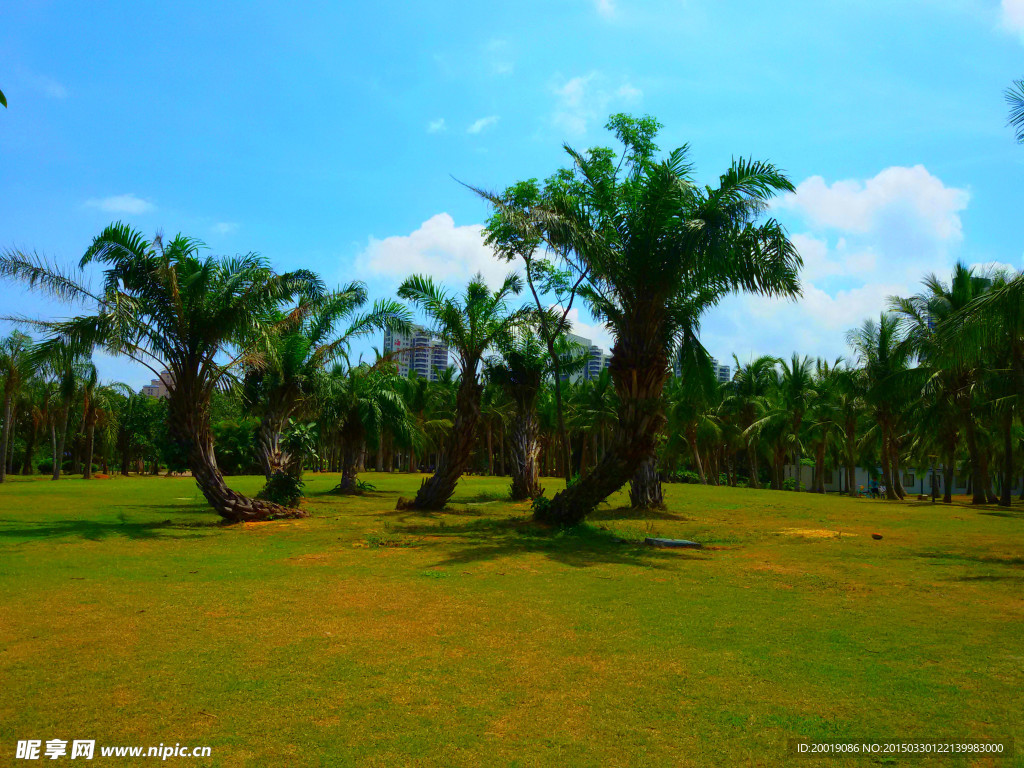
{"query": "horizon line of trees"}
(629, 235)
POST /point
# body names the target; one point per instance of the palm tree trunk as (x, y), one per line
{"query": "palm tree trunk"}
(58, 449)
(691, 438)
(645, 490)
(436, 490)
(525, 446)
(6, 435)
(948, 478)
(638, 368)
(1007, 493)
(490, 450)
(977, 476)
(30, 448)
(90, 435)
(189, 422)
(755, 481)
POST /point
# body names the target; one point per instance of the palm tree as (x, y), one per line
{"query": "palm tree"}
(521, 371)
(15, 368)
(167, 308)
(796, 389)
(363, 402)
(646, 239)
(956, 378)
(990, 327)
(885, 359)
(306, 344)
(1015, 100)
(749, 399)
(469, 325)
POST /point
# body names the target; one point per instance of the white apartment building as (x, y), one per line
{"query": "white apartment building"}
(419, 351)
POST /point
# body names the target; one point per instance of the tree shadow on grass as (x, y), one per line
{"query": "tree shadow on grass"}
(93, 530)
(630, 513)
(965, 558)
(580, 547)
(1013, 514)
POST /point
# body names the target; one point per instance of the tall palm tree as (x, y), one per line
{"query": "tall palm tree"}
(469, 325)
(646, 239)
(749, 399)
(796, 390)
(956, 378)
(885, 359)
(15, 368)
(166, 307)
(989, 327)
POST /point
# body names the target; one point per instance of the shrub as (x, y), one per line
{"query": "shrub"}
(282, 488)
(45, 466)
(789, 484)
(684, 476)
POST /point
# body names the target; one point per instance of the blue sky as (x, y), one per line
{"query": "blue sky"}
(326, 135)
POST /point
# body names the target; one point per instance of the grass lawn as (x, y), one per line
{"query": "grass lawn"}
(368, 637)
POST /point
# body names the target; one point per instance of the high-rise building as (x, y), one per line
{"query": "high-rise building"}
(418, 351)
(722, 372)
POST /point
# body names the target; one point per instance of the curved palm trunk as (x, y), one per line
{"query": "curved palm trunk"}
(189, 422)
(645, 490)
(525, 439)
(437, 489)
(639, 368)
(691, 438)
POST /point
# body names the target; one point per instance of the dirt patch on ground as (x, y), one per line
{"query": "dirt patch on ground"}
(815, 533)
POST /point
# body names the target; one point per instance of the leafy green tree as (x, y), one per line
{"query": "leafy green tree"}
(469, 325)
(168, 308)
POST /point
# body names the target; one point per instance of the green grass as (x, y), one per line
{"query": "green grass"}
(371, 637)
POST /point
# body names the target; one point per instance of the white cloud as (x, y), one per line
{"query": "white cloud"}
(128, 203)
(1013, 15)
(856, 206)
(225, 227)
(605, 8)
(585, 98)
(598, 333)
(861, 241)
(483, 122)
(449, 253)
(436, 126)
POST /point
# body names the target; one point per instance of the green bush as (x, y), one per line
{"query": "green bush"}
(684, 476)
(282, 488)
(45, 466)
(789, 484)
